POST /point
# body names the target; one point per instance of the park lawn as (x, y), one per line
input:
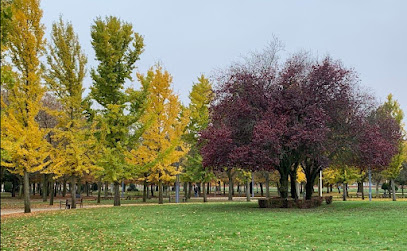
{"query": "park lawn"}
(352, 225)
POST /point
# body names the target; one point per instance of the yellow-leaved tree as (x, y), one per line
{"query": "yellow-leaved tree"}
(22, 138)
(161, 143)
(75, 151)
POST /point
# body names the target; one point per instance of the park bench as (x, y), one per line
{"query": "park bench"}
(68, 204)
(358, 194)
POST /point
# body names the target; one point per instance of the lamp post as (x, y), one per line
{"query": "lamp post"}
(370, 184)
(252, 185)
(177, 186)
(320, 183)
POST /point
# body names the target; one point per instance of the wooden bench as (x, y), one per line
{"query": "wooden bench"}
(68, 204)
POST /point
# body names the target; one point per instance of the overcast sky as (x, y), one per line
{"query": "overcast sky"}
(194, 37)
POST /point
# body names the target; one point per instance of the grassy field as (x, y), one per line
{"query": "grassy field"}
(223, 226)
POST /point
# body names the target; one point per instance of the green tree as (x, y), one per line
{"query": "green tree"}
(200, 99)
(393, 108)
(117, 48)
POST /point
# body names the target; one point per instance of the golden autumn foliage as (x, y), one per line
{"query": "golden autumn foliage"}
(161, 144)
(22, 138)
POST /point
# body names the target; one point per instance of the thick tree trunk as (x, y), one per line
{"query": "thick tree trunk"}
(27, 205)
(116, 187)
(363, 192)
(99, 190)
(247, 190)
(267, 184)
(73, 191)
(344, 190)
(64, 188)
(204, 187)
(393, 189)
(44, 187)
(283, 185)
(52, 187)
(309, 187)
(261, 190)
(229, 172)
(160, 192)
(208, 188)
(33, 189)
(145, 186)
(224, 188)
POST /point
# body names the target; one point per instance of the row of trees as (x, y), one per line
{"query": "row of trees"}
(264, 116)
(304, 113)
(49, 127)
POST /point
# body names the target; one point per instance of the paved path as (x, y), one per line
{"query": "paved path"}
(5, 212)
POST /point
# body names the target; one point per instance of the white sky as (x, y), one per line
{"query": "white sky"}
(194, 37)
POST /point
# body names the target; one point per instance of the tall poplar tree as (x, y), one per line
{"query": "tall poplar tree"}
(22, 138)
(200, 99)
(161, 144)
(393, 170)
(117, 48)
(64, 77)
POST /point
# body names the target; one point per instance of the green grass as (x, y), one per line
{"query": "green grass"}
(222, 226)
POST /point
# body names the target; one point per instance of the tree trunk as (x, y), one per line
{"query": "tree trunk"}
(204, 187)
(152, 190)
(309, 186)
(360, 187)
(267, 184)
(229, 172)
(208, 188)
(27, 206)
(99, 190)
(52, 187)
(33, 189)
(224, 188)
(87, 188)
(160, 192)
(327, 188)
(393, 189)
(344, 190)
(44, 187)
(116, 200)
(145, 186)
(261, 190)
(185, 191)
(330, 187)
(363, 192)
(293, 181)
(13, 189)
(73, 191)
(106, 189)
(283, 185)
(248, 190)
(189, 190)
(64, 188)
